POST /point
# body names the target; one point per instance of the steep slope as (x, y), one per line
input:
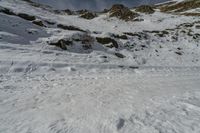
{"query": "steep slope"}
(63, 73)
(148, 39)
(188, 8)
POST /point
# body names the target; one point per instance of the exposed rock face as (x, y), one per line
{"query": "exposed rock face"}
(61, 44)
(69, 12)
(7, 11)
(70, 27)
(50, 22)
(122, 12)
(39, 23)
(145, 9)
(181, 6)
(88, 15)
(107, 40)
(124, 37)
(81, 11)
(190, 14)
(197, 26)
(87, 41)
(26, 16)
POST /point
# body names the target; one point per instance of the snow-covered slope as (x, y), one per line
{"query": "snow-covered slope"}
(61, 73)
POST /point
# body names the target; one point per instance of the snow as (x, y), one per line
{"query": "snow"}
(159, 100)
(13, 31)
(44, 89)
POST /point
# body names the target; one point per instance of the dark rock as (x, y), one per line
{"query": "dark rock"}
(197, 26)
(39, 23)
(61, 44)
(119, 55)
(140, 35)
(26, 16)
(138, 20)
(179, 48)
(188, 25)
(196, 36)
(105, 11)
(50, 23)
(179, 53)
(145, 9)
(120, 123)
(181, 6)
(66, 27)
(174, 38)
(69, 12)
(87, 41)
(120, 36)
(82, 11)
(57, 11)
(143, 46)
(107, 40)
(87, 46)
(104, 57)
(134, 67)
(7, 11)
(122, 12)
(88, 15)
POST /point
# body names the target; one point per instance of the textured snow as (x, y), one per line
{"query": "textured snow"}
(44, 89)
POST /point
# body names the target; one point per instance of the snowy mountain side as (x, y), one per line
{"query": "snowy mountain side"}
(121, 70)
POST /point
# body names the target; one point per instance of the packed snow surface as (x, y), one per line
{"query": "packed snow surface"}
(154, 88)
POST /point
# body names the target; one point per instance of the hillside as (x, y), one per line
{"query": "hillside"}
(117, 71)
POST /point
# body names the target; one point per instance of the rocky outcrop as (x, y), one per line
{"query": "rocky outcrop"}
(81, 11)
(145, 9)
(181, 6)
(124, 37)
(122, 12)
(109, 41)
(66, 27)
(7, 11)
(88, 15)
(21, 15)
(61, 44)
(26, 16)
(38, 23)
(69, 12)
